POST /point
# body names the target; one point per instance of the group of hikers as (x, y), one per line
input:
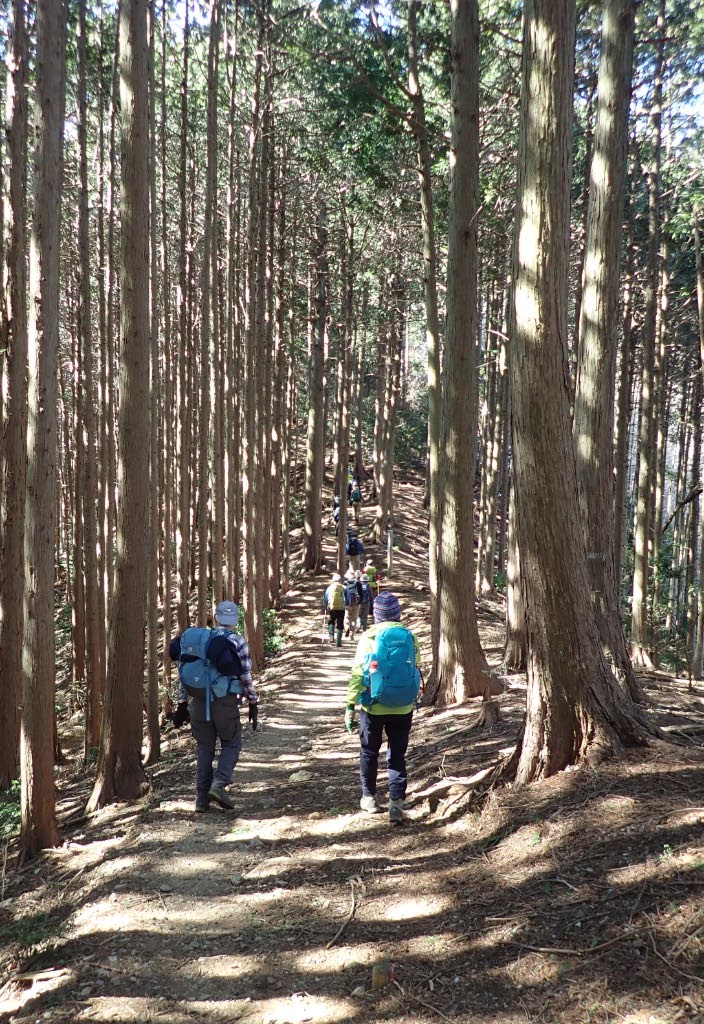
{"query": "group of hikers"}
(348, 603)
(215, 680)
(354, 501)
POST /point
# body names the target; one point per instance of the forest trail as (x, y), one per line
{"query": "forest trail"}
(274, 912)
(553, 904)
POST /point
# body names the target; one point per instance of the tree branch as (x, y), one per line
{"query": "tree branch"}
(680, 504)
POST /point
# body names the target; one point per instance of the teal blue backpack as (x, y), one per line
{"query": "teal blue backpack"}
(201, 649)
(391, 676)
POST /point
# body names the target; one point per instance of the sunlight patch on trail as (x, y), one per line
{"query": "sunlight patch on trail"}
(425, 906)
(296, 1009)
(302, 1007)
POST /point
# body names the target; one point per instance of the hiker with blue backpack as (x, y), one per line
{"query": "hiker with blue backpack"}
(352, 616)
(366, 599)
(354, 549)
(385, 683)
(215, 672)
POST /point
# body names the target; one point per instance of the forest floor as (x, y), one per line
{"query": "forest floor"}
(577, 900)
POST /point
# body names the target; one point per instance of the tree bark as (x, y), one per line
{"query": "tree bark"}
(250, 447)
(593, 424)
(170, 390)
(574, 708)
(86, 437)
(153, 737)
(640, 638)
(315, 454)
(462, 670)
(432, 326)
(12, 499)
(625, 409)
(120, 772)
(38, 828)
(515, 656)
(184, 416)
(698, 656)
(208, 353)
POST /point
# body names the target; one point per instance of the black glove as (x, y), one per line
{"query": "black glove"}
(253, 714)
(181, 715)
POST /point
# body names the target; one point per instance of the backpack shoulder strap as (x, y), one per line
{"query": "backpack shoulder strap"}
(222, 652)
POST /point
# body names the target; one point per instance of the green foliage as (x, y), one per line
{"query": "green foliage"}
(63, 624)
(273, 634)
(9, 812)
(31, 931)
(411, 436)
(297, 510)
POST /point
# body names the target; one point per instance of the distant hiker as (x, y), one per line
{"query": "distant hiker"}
(353, 599)
(336, 513)
(354, 549)
(373, 575)
(215, 671)
(355, 499)
(385, 681)
(366, 600)
(335, 602)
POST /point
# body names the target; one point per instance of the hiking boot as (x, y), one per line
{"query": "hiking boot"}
(369, 804)
(202, 803)
(219, 794)
(396, 811)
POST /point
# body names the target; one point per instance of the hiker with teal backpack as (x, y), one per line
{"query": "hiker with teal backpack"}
(215, 672)
(335, 601)
(385, 682)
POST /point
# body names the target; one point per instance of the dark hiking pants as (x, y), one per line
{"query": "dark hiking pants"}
(224, 725)
(371, 735)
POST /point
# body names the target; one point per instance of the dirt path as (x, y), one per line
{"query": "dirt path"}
(575, 901)
(270, 913)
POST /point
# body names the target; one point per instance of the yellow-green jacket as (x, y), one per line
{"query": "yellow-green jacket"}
(367, 643)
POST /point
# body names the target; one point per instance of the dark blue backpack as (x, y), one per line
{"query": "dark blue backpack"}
(390, 674)
(208, 664)
(365, 592)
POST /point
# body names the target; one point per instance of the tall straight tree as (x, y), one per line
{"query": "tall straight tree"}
(250, 446)
(86, 426)
(574, 709)
(14, 428)
(312, 534)
(120, 772)
(593, 424)
(432, 320)
(38, 829)
(646, 455)
(461, 670)
(184, 411)
(207, 355)
(155, 468)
